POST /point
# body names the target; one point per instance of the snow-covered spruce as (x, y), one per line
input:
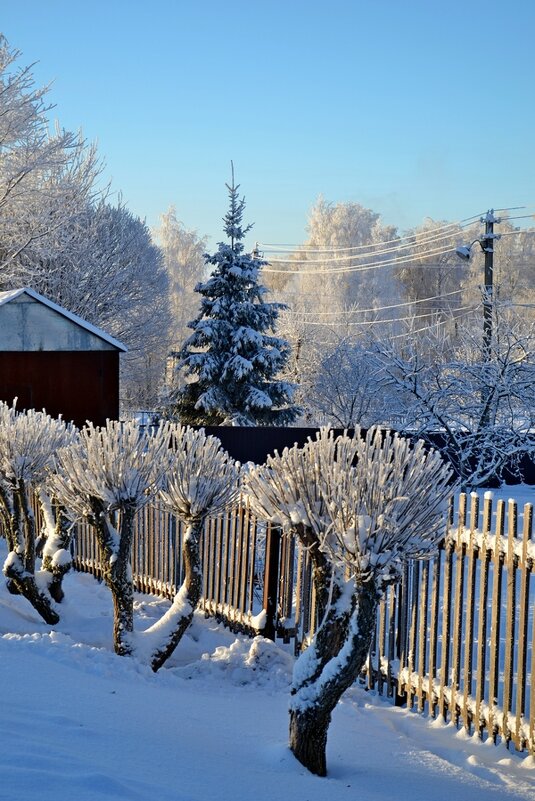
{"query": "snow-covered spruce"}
(28, 441)
(361, 505)
(204, 481)
(230, 363)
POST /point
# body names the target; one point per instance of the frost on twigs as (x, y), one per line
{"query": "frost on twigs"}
(360, 505)
(105, 478)
(204, 481)
(28, 441)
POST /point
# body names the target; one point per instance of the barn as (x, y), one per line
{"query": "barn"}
(51, 359)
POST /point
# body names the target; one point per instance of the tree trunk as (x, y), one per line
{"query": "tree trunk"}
(314, 699)
(20, 565)
(123, 615)
(181, 612)
(117, 574)
(54, 545)
(119, 579)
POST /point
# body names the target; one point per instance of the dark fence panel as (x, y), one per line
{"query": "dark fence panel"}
(254, 444)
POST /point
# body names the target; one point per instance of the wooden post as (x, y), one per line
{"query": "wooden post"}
(271, 580)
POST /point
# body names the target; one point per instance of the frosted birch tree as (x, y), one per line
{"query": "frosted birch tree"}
(361, 506)
(108, 476)
(36, 168)
(183, 255)
(28, 441)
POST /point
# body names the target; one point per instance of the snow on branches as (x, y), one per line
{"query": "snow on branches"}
(119, 465)
(204, 480)
(230, 362)
(360, 505)
(371, 500)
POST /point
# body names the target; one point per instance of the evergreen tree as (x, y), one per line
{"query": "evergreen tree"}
(231, 360)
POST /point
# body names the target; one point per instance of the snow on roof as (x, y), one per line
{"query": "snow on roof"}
(9, 295)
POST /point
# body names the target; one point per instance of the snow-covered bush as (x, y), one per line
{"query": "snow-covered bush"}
(28, 441)
(361, 505)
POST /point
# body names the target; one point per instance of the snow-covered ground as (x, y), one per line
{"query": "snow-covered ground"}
(78, 722)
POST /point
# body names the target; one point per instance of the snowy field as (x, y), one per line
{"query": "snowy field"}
(79, 723)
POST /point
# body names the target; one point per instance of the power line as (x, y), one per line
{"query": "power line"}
(369, 323)
(413, 260)
(419, 242)
(461, 223)
(363, 267)
(437, 323)
(378, 308)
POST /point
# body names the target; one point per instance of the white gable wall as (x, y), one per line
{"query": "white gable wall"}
(26, 324)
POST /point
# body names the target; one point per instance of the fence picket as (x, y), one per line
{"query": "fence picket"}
(523, 627)
(484, 554)
(510, 620)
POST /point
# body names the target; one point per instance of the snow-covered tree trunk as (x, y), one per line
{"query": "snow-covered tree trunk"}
(53, 545)
(19, 567)
(181, 612)
(115, 549)
(322, 676)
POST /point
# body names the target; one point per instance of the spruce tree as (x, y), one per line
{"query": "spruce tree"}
(231, 360)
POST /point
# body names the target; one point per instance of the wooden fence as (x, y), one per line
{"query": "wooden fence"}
(455, 638)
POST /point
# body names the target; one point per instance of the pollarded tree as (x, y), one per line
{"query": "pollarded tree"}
(105, 478)
(204, 481)
(230, 362)
(361, 506)
(28, 441)
(108, 476)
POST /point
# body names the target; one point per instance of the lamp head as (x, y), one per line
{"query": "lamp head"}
(463, 252)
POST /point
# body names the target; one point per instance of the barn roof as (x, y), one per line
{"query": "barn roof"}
(6, 297)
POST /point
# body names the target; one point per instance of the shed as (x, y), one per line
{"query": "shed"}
(52, 359)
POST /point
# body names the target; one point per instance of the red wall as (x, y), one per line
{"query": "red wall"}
(81, 385)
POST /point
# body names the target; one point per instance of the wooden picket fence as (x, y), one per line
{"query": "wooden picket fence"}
(456, 637)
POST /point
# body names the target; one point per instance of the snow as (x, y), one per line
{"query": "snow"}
(80, 722)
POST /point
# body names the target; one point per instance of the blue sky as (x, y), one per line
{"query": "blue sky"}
(413, 109)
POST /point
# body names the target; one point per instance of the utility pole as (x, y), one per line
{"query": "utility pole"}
(487, 245)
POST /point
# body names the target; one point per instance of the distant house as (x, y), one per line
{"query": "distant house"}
(51, 359)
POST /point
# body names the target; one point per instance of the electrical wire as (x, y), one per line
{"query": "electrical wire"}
(366, 266)
(378, 308)
(424, 240)
(462, 223)
(368, 323)
(437, 323)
